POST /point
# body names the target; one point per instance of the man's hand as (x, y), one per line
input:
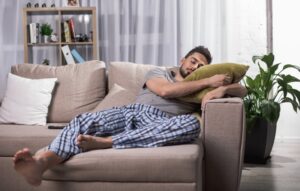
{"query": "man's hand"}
(219, 80)
(235, 89)
(214, 94)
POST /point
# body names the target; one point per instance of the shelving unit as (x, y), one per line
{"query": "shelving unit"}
(85, 22)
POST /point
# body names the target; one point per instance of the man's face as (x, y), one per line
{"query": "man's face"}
(191, 63)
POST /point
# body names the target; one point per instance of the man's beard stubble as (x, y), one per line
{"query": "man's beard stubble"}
(183, 72)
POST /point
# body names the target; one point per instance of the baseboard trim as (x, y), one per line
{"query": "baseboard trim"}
(287, 139)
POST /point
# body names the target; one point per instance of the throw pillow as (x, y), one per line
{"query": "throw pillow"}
(80, 87)
(235, 71)
(26, 101)
(117, 96)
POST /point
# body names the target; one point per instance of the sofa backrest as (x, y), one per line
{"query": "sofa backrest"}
(128, 75)
(79, 89)
(82, 87)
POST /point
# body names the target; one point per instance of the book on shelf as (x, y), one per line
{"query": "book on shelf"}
(67, 34)
(67, 54)
(28, 34)
(63, 38)
(37, 33)
(71, 29)
(77, 56)
(33, 32)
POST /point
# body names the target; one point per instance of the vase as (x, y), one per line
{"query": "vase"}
(259, 142)
(45, 39)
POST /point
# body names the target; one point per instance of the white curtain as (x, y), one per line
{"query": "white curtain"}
(158, 32)
(138, 31)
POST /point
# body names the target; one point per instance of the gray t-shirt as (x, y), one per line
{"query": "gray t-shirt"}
(171, 106)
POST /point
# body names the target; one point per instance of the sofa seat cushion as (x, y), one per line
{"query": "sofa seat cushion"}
(16, 137)
(163, 164)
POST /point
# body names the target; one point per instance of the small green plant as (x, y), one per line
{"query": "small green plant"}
(46, 61)
(46, 29)
(268, 89)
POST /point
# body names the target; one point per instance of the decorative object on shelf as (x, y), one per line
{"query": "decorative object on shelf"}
(46, 31)
(36, 5)
(28, 5)
(53, 38)
(81, 38)
(77, 37)
(46, 62)
(53, 5)
(44, 5)
(71, 3)
(266, 91)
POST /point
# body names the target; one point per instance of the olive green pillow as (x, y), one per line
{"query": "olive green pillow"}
(235, 71)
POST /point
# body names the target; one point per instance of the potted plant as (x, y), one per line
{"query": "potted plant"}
(266, 91)
(46, 31)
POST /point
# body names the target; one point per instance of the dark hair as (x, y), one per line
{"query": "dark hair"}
(202, 50)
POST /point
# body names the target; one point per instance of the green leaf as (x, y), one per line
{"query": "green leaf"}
(250, 82)
(291, 66)
(257, 81)
(289, 78)
(292, 102)
(270, 110)
(268, 59)
(296, 94)
(248, 103)
(274, 68)
(263, 74)
(282, 86)
(255, 58)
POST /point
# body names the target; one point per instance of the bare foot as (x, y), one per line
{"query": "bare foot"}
(28, 167)
(88, 142)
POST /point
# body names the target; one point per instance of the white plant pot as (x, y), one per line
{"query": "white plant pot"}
(45, 39)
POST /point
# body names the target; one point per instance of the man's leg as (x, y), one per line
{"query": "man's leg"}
(64, 145)
(89, 142)
(147, 126)
(132, 115)
(161, 132)
(72, 139)
(33, 167)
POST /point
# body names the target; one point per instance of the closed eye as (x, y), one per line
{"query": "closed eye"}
(200, 65)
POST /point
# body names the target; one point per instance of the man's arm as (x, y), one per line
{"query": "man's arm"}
(232, 90)
(166, 89)
(235, 90)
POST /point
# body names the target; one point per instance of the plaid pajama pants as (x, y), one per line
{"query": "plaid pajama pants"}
(131, 126)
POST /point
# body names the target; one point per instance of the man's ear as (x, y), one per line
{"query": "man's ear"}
(182, 61)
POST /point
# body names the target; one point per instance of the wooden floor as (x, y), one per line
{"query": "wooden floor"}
(282, 173)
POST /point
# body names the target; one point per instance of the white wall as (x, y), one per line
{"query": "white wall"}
(286, 27)
(233, 30)
(252, 38)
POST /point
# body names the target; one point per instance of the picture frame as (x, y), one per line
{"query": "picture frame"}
(71, 3)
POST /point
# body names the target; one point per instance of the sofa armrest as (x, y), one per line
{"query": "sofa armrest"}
(224, 137)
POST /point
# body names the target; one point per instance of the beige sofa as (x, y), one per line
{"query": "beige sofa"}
(211, 163)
